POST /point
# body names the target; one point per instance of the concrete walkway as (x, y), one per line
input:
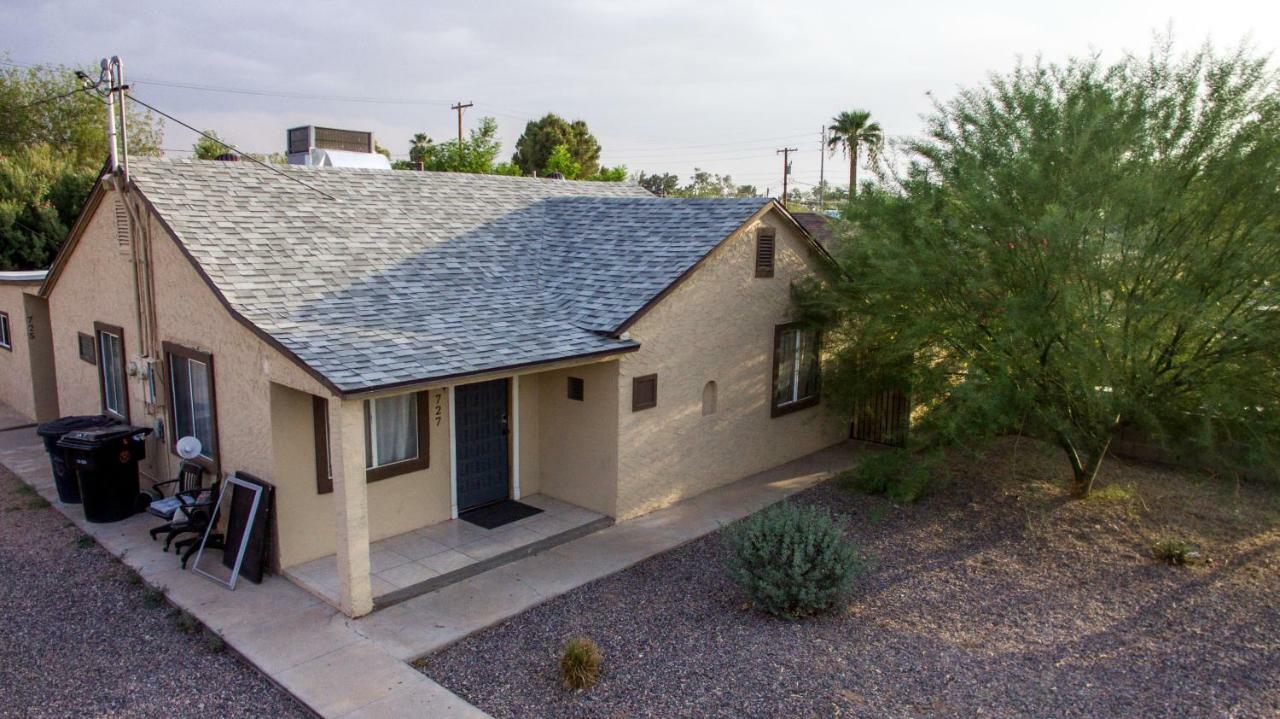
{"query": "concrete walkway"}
(340, 667)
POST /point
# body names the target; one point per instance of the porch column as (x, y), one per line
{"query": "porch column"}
(351, 505)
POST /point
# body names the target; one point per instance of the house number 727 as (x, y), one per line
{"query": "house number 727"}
(439, 411)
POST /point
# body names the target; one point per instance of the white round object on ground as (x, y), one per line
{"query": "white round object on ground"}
(188, 448)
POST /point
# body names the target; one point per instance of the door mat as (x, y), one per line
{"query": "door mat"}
(492, 516)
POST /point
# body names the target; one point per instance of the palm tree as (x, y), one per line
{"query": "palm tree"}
(850, 130)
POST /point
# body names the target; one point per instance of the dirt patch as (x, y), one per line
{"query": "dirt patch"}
(80, 635)
(997, 597)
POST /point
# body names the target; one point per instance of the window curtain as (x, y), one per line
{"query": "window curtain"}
(392, 429)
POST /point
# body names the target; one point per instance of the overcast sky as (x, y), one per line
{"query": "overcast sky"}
(665, 86)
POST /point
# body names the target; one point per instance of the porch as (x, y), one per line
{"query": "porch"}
(424, 560)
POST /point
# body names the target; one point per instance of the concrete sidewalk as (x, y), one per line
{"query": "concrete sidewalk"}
(340, 667)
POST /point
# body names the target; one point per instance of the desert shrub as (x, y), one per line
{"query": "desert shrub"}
(898, 474)
(792, 560)
(1178, 551)
(580, 663)
(186, 623)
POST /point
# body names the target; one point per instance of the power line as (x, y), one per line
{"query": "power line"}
(52, 98)
(231, 147)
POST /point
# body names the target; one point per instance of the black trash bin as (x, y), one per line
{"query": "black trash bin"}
(105, 461)
(64, 477)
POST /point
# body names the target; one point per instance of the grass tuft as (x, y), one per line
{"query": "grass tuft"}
(580, 663)
(84, 541)
(186, 623)
(1178, 552)
(152, 597)
(213, 642)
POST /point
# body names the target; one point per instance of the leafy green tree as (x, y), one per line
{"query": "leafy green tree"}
(53, 144)
(660, 185)
(562, 163)
(1075, 249)
(542, 137)
(210, 149)
(507, 168)
(850, 131)
(476, 154)
(40, 196)
(706, 184)
(609, 174)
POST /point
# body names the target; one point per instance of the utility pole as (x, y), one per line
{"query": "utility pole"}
(822, 170)
(459, 108)
(786, 169)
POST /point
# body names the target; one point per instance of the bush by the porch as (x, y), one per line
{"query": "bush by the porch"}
(792, 560)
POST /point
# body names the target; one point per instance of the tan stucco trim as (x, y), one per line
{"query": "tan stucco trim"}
(766, 209)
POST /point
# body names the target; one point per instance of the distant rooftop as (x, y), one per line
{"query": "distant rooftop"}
(23, 276)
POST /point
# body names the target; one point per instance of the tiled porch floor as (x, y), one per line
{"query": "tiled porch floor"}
(413, 558)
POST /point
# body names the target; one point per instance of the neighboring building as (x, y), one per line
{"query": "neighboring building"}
(27, 381)
(820, 227)
(357, 337)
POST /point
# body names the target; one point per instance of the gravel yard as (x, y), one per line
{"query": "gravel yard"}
(79, 636)
(996, 597)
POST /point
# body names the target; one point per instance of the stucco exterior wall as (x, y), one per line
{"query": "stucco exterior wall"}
(22, 367)
(717, 326)
(96, 285)
(578, 441)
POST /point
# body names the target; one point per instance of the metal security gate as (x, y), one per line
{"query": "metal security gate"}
(884, 419)
(482, 424)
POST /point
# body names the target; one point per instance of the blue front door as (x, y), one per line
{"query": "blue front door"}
(482, 425)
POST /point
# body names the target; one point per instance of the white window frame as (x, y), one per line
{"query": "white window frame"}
(191, 407)
(6, 332)
(105, 365)
(798, 360)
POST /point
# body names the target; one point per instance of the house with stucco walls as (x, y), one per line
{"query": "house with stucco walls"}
(27, 381)
(391, 349)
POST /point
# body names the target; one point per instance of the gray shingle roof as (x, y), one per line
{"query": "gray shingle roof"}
(411, 276)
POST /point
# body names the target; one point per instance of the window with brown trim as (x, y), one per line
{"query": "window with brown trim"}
(577, 389)
(87, 351)
(113, 387)
(320, 422)
(644, 392)
(766, 241)
(796, 369)
(397, 435)
(193, 401)
(6, 338)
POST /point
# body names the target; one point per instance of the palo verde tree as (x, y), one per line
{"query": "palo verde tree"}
(851, 131)
(1075, 249)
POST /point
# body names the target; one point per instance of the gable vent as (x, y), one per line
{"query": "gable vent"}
(122, 225)
(766, 238)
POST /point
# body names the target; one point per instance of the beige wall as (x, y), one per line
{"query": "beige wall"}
(716, 326)
(578, 441)
(24, 369)
(96, 284)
